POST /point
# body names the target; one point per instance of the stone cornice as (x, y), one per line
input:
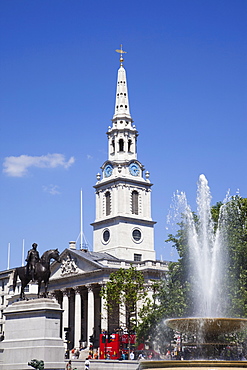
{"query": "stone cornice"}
(97, 277)
(123, 180)
(136, 220)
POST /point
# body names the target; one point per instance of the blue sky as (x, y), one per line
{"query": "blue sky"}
(187, 81)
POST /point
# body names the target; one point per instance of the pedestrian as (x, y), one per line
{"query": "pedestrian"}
(87, 364)
(73, 353)
(68, 365)
(140, 357)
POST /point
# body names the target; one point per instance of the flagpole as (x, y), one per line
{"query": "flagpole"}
(8, 256)
(23, 244)
(81, 223)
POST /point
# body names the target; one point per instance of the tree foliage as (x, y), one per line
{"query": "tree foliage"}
(237, 239)
(126, 287)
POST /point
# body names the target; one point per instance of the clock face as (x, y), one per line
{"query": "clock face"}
(134, 169)
(108, 170)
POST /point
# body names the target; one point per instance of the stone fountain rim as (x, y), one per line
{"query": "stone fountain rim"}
(210, 318)
(225, 324)
(189, 364)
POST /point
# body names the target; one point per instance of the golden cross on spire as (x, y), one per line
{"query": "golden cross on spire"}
(121, 52)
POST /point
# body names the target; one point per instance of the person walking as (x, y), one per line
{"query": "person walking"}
(87, 364)
(68, 365)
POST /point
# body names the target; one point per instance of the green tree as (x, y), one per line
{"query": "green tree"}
(125, 288)
(237, 240)
(169, 300)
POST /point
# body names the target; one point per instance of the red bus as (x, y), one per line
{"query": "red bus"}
(113, 346)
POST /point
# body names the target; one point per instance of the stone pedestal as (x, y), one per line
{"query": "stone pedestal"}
(32, 331)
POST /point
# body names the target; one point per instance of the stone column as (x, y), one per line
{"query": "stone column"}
(104, 315)
(90, 313)
(65, 311)
(122, 315)
(77, 333)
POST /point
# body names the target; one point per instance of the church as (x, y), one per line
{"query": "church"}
(123, 235)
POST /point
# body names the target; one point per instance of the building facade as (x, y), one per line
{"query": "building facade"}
(123, 235)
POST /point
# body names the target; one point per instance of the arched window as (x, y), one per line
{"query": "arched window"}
(135, 202)
(113, 145)
(107, 203)
(129, 145)
(121, 145)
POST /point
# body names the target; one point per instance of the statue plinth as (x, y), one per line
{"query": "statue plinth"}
(32, 331)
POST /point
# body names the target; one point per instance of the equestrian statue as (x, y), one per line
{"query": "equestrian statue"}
(37, 269)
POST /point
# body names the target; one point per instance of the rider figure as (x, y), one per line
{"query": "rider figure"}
(32, 259)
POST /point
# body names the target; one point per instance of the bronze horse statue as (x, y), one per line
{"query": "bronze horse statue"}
(42, 272)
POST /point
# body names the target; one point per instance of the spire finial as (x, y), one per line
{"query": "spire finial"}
(121, 52)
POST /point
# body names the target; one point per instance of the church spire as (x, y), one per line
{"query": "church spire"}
(122, 101)
(122, 135)
(123, 226)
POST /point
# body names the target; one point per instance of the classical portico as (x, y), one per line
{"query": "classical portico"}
(76, 284)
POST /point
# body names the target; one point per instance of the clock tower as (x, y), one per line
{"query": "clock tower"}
(123, 226)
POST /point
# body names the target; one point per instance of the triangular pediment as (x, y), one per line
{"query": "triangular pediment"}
(75, 262)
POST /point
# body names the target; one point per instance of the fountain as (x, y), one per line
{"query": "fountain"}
(208, 261)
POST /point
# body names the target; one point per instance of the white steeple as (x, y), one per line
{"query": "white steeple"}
(123, 225)
(122, 109)
(122, 135)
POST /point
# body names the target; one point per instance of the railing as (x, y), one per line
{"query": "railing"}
(139, 264)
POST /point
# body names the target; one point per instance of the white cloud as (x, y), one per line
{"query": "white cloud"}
(18, 166)
(89, 156)
(51, 189)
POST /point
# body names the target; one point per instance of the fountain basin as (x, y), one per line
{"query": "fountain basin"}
(211, 326)
(195, 365)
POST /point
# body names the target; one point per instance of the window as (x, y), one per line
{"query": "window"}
(129, 145)
(107, 203)
(137, 257)
(121, 145)
(136, 235)
(135, 196)
(113, 145)
(106, 235)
